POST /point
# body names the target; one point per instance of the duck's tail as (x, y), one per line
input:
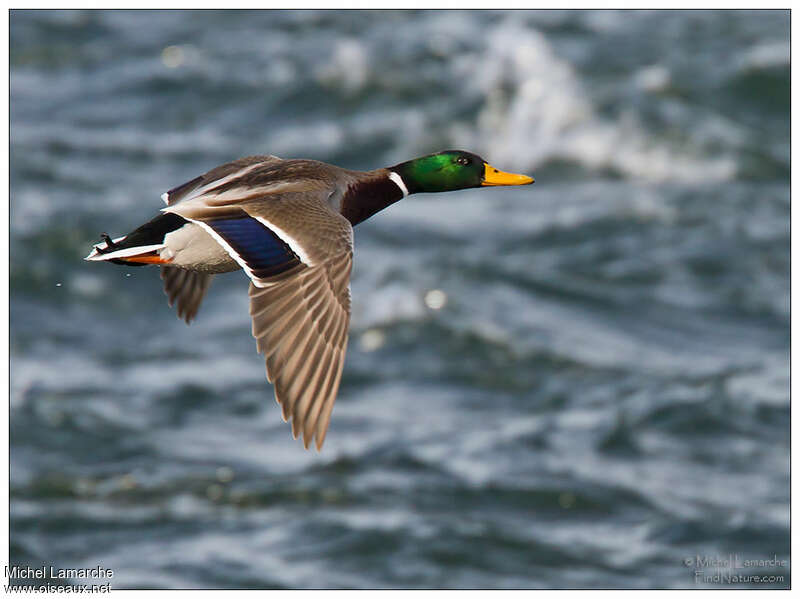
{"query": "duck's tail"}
(140, 247)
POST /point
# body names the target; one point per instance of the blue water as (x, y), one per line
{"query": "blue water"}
(581, 383)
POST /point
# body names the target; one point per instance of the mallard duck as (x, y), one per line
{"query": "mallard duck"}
(289, 225)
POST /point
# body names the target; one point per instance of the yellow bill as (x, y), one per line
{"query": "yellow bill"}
(492, 176)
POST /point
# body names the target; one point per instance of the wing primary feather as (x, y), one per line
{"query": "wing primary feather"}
(325, 415)
(309, 376)
(309, 404)
(304, 349)
(319, 396)
(297, 346)
(282, 400)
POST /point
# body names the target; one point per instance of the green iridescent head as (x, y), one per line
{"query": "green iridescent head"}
(451, 170)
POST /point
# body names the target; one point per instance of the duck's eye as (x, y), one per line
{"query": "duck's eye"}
(463, 160)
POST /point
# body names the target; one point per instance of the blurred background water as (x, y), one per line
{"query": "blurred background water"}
(583, 383)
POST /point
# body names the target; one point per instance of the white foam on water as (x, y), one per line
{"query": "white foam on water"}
(536, 110)
(767, 385)
(65, 374)
(765, 55)
(653, 78)
(348, 67)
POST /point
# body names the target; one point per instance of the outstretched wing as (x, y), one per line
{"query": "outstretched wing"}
(300, 325)
(186, 289)
(275, 221)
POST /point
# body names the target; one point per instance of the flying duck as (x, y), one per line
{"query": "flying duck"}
(289, 225)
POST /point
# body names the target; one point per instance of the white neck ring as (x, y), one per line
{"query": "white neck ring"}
(398, 180)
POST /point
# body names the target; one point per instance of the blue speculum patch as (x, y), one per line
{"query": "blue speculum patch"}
(264, 252)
